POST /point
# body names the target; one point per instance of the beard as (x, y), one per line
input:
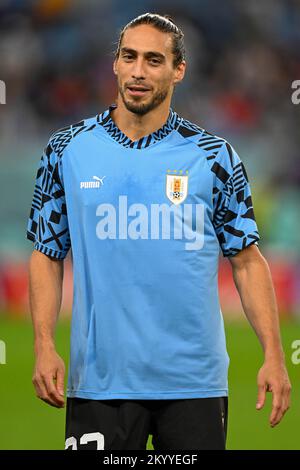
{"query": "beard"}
(143, 108)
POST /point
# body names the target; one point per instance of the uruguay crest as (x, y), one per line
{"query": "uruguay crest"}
(177, 188)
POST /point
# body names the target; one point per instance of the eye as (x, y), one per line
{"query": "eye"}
(127, 57)
(154, 61)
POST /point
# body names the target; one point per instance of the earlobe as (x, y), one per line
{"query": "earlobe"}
(177, 80)
(178, 76)
(180, 73)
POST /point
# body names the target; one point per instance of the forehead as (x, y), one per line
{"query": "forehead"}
(145, 38)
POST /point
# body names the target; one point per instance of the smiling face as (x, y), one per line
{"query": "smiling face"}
(145, 69)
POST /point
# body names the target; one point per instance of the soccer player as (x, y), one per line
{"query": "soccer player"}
(146, 200)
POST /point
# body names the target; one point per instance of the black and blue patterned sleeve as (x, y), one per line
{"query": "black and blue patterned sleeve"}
(47, 225)
(234, 219)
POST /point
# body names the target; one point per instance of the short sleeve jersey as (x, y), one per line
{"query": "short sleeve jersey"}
(146, 221)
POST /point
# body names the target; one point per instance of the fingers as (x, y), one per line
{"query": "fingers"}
(41, 391)
(53, 395)
(280, 403)
(288, 390)
(40, 388)
(46, 390)
(277, 407)
(60, 379)
(261, 396)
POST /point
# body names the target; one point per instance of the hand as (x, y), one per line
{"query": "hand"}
(48, 377)
(273, 377)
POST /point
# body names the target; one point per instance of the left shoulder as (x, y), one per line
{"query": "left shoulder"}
(218, 151)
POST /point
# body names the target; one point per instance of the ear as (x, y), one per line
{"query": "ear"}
(115, 67)
(179, 73)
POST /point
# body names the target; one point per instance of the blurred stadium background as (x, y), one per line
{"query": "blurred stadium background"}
(56, 60)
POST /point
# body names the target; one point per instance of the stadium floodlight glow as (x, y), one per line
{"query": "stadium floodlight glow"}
(2, 352)
(2, 92)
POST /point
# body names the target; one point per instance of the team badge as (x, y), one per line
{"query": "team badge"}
(177, 188)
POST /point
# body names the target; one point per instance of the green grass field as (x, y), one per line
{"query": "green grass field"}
(28, 423)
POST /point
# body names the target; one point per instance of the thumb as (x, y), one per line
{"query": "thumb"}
(60, 376)
(261, 396)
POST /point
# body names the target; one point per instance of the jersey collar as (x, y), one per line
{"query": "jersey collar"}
(106, 121)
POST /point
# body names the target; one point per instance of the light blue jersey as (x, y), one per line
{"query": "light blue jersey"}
(146, 220)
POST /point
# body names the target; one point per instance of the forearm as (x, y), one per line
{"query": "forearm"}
(45, 295)
(254, 284)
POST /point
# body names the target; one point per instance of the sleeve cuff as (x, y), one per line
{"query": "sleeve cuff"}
(252, 240)
(46, 250)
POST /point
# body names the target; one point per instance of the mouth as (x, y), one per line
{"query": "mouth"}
(136, 90)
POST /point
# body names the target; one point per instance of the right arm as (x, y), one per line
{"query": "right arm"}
(45, 296)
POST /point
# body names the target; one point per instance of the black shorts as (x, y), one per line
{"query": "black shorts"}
(184, 424)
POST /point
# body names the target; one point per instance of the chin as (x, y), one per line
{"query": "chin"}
(138, 108)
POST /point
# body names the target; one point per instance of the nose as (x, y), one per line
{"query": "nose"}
(138, 70)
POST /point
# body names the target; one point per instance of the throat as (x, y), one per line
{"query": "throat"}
(136, 127)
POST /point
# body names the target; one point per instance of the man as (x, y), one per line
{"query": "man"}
(146, 199)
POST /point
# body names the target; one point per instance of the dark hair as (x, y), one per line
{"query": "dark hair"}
(163, 23)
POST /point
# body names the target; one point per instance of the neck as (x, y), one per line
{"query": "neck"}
(136, 126)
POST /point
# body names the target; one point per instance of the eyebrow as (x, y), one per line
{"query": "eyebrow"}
(146, 54)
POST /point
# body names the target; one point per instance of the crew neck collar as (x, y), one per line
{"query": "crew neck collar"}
(106, 121)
